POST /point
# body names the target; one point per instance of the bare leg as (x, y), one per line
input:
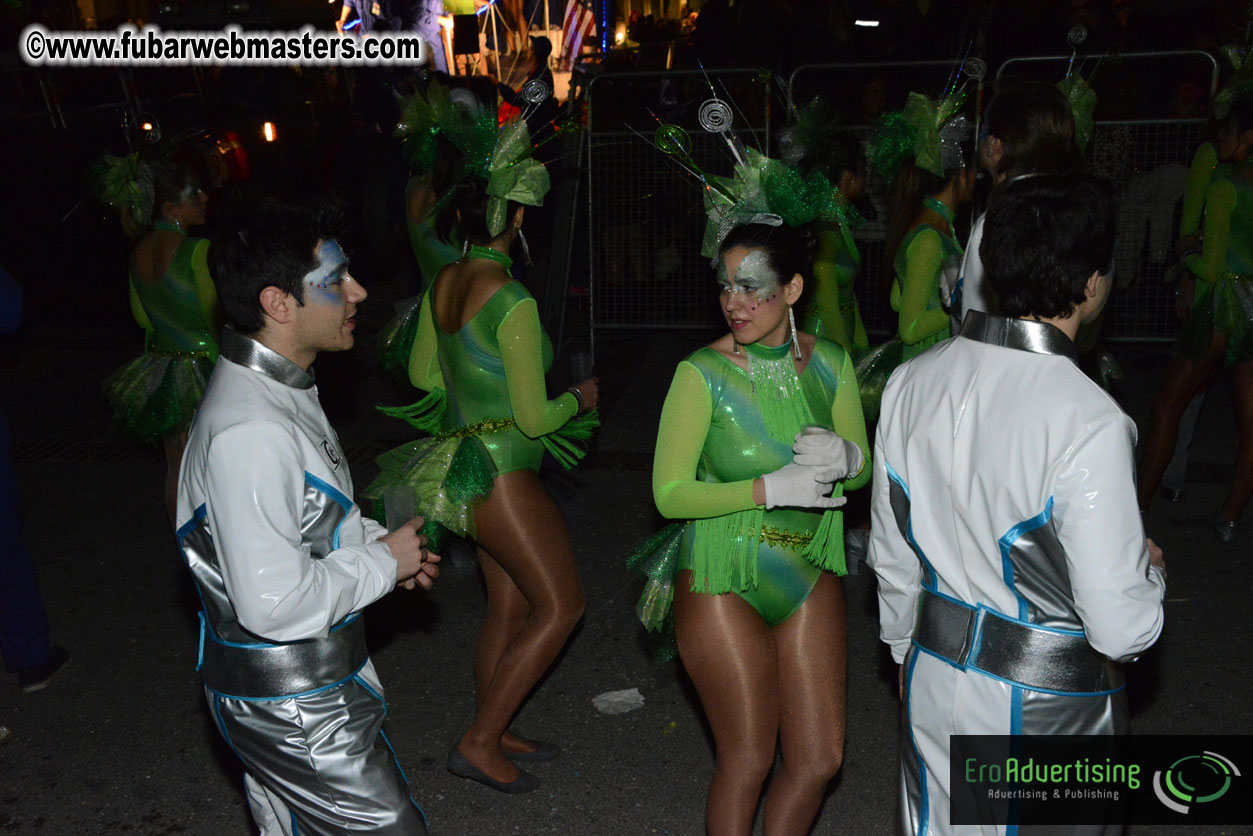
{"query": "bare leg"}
(813, 651)
(1181, 382)
(1242, 482)
(524, 534)
(730, 656)
(174, 445)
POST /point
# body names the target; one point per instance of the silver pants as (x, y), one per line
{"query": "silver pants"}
(320, 765)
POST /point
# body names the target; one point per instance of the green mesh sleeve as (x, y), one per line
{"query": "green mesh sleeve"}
(1199, 177)
(137, 310)
(424, 370)
(849, 423)
(680, 438)
(521, 341)
(922, 264)
(206, 291)
(1220, 199)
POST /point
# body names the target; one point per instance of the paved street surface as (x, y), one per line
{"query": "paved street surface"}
(122, 742)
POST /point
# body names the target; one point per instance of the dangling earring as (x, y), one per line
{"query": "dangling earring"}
(791, 322)
(735, 346)
(526, 251)
(465, 248)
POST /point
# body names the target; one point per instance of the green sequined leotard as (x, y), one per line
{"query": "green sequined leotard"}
(1224, 271)
(713, 442)
(156, 394)
(488, 409)
(920, 258)
(833, 311)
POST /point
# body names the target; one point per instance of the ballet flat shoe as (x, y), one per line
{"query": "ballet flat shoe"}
(544, 751)
(1225, 530)
(460, 766)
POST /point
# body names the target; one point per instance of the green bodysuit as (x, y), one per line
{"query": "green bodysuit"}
(488, 410)
(1224, 271)
(157, 393)
(491, 368)
(713, 442)
(833, 312)
(920, 258)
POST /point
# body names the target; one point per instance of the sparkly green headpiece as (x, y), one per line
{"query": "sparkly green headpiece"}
(760, 189)
(1239, 86)
(123, 183)
(513, 174)
(423, 116)
(1082, 100)
(927, 132)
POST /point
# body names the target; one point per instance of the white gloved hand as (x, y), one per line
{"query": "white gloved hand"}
(835, 457)
(799, 486)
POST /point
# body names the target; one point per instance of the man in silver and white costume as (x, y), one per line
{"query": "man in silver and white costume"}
(282, 557)
(1014, 574)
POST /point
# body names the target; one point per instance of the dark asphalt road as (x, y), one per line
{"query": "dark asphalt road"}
(121, 742)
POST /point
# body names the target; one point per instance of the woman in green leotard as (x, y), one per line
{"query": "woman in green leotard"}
(757, 601)
(1219, 325)
(921, 243)
(173, 299)
(832, 311)
(482, 354)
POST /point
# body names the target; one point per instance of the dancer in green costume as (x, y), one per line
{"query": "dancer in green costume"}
(154, 396)
(1219, 326)
(481, 353)
(754, 572)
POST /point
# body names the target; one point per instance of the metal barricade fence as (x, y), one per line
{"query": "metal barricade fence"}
(644, 214)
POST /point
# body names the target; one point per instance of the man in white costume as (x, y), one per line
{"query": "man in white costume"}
(1014, 574)
(282, 557)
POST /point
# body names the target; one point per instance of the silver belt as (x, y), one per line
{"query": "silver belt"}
(982, 640)
(274, 671)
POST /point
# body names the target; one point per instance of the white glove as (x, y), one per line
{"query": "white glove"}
(799, 486)
(835, 457)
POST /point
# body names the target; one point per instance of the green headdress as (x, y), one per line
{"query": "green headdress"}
(1239, 86)
(1082, 100)
(423, 116)
(512, 174)
(928, 132)
(123, 183)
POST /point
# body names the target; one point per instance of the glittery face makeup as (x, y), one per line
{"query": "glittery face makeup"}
(755, 282)
(324, 283)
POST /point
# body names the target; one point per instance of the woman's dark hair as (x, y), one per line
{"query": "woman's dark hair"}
(1043, 238)
(170, 180)
(266, 243)
(789, 250)
(1036, 128)
(469, 203)
(911, 185)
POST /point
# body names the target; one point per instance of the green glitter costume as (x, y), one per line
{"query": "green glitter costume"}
(157, 393)
(488, 409)
(721, 429)
(832, 311)
(1223, 299)
(916, 288)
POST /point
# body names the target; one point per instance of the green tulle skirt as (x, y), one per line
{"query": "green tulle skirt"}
(156, 394)
(395, 341)
(1227, 309)
(873, 370)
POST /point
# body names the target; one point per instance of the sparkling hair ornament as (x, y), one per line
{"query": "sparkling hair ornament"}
(124, 183)
(928, 133)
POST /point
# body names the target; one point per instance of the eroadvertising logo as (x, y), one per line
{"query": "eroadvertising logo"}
(1067, 780)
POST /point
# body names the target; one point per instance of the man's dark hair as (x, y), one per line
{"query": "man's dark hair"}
(1036, 128)
(1043, 238)
(266, 243)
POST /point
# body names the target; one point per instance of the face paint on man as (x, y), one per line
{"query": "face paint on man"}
(754, 279)
(324, 280)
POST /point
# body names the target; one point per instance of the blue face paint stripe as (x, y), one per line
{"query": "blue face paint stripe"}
(1006, 543)
(924, 803)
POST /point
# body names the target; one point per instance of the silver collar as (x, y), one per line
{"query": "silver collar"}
(1022, 334)
(248, 352)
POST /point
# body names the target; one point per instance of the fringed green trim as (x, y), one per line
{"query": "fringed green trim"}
(564, 444)
(395, 341)
(657, 558)
(777, 391)
(826, 549)
(424, 415)
(448, 477)
(724, 552)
